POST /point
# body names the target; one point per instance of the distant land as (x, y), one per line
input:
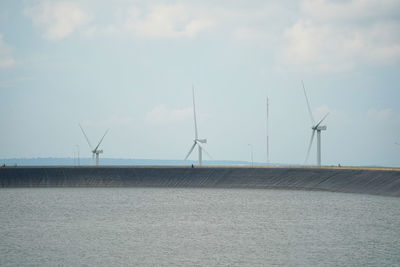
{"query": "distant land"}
(138, 162)
(116, 162)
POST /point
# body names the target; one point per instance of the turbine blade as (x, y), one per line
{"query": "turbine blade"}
(309, 146)
(202, 147)
(190, 151)
(87, 139)
(101, 140)
(308, 105)
(322, 120)
(194, 112)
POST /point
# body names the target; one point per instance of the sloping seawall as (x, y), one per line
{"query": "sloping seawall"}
(364, 181)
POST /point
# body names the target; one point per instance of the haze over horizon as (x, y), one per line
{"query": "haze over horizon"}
(128, 66)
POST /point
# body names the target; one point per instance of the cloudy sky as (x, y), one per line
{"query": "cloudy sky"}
(129, 67)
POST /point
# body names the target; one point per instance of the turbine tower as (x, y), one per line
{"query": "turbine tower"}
(95, 151)
(197, 141)
(315, 128)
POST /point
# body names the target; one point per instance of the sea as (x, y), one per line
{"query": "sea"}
(196, 227)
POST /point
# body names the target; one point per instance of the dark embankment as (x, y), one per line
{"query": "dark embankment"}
(364, 181)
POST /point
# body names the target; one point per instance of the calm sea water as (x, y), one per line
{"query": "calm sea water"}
(208, 227)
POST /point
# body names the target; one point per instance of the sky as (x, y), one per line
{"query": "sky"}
(129, 66)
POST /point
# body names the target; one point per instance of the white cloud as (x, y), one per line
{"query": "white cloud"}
(167, 21)
(326, 36)
(350, 10)
(58, 20)
(318, 47)
(334, 36)
(384, 115)
(184, 19)
(15, 82)
(162, 115)
(6, 58)
(7, 63)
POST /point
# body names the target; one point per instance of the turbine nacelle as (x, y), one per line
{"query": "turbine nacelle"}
(203, 141)
(319, 128)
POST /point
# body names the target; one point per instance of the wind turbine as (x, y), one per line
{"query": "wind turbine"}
(197, 141)
(315, 128)
(95, 151)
